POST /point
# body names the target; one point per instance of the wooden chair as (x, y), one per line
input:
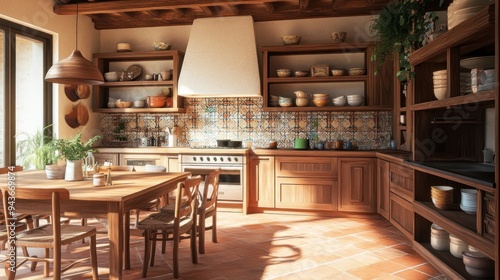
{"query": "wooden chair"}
(50, 236)
(208, 208)
(181, 221)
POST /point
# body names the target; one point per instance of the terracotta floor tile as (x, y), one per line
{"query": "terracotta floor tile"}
(271, 247)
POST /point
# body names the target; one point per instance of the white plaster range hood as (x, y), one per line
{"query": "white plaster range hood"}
(221, 59)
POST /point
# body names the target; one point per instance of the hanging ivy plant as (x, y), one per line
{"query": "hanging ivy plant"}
(400, 27)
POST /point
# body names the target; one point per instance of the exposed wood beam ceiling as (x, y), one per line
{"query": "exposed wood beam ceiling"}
(113, 14)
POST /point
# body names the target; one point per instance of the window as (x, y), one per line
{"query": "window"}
(25, 98)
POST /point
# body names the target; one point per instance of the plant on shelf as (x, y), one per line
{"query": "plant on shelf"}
(37, 150)
(401, 27)
(74, 151)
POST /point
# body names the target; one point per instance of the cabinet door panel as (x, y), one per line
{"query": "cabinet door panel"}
(301, 193)
(401, 180)
(357, 185)
(402, 215)
(383, 186)
(261, 182)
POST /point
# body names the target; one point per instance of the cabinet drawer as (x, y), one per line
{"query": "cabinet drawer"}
(306, 194)
(401, 180)
(325, 167)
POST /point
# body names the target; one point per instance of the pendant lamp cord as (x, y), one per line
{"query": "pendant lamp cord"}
(76, 41)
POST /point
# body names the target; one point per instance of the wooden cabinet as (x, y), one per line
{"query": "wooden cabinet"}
(261, 182)
(149, 62)
(140, 160)
(357, 191)
(172, 163)
(383, 188)
(308, 183)
(401, 182)
(326, 56)
(101, 158)
(451, 131)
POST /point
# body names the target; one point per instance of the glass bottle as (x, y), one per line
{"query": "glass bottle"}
(89, 163)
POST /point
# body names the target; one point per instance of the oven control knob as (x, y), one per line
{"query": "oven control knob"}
(236, 159)
(201, 158)
(221, 159)
(215, 158)
(229, 159)
(194, 158)
(208, 159)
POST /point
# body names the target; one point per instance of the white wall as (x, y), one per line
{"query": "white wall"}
(38, 14)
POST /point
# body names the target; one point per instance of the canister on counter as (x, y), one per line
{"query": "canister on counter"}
(99, 179)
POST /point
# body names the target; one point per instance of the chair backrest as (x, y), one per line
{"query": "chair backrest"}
(210, 190)
(51, 195)
(185, 200)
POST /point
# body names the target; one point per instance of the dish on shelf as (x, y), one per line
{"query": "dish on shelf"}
(355, 99)
(112, 76)
(139, 103)
(339, 101)
(440, 92)
(484, 62)
(457, 246)
(440, 72)
(440, 242)
(338, 72)
(478, 265)
(442, 196)
(162, 46)
(123, 104)
(301, 73)
(156, 101)
(134, 72)
(123, 47)
(338, 37)
(320, 71)
(291, 39)
(357, 71)
(282, 73)
(285, 101)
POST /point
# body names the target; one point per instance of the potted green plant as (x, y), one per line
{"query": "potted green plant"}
(74, 151)
(399, 28)
(38, 152)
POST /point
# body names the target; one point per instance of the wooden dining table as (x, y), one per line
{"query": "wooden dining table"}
(129, 190)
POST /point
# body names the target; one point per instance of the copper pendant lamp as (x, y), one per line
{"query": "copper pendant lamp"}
(75, 69)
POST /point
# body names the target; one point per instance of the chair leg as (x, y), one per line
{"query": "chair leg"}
(93, 257)
(163, 241)
(126, 240)
(194, 250)
(147, 253)
(46, 268)
(154, 234)
(201, 236)
(84, 223)
(175, 252)
(11, 274)
(214, 228)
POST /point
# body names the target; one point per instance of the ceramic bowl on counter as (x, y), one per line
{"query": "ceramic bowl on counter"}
(291, 39)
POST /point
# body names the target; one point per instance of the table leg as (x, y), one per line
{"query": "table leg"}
(126, 244)
(115, 235)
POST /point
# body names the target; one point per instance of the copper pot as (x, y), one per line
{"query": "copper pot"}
(156, 101)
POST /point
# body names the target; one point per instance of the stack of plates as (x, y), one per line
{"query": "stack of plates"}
(442, 196)
(482, 80)
(440, 81)
(468, 201)
(460, 10)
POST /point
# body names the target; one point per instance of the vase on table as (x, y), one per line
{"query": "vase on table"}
(74, 170)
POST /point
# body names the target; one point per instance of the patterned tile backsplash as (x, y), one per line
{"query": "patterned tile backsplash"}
(208, 119)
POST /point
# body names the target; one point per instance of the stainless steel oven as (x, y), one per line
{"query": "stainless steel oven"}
(231, 180)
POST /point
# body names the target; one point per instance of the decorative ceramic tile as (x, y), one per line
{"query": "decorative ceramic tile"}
(207, 119)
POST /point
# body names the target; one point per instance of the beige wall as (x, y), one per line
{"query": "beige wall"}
(38, 14)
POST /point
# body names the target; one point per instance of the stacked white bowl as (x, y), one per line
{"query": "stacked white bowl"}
(440, 81)
(461, 10)
(468, 201)
(355, 99)
(339, 101)
(457, 246)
